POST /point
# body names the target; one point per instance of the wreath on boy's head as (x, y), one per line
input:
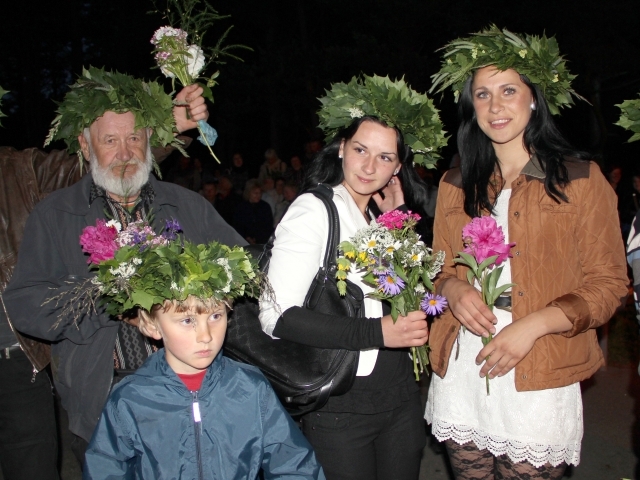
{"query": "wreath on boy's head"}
(393, 102)
(538, 58)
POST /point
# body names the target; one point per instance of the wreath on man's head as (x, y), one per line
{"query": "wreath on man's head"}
(393, 102)
(97, 91)
(538, 58)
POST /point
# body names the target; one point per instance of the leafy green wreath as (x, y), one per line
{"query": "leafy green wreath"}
(538, 58)
(630, 117)
(97, 91)
(395, 103)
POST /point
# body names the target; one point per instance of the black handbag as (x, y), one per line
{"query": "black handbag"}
(303, 377)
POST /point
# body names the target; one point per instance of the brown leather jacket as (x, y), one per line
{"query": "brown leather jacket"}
(26, 177)
(567, 255)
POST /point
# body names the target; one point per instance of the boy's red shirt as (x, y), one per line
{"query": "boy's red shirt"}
(193, 381)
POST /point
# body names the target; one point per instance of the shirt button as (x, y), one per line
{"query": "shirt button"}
(524, 377)
(517, 214)
(518, 253)
(521, 294)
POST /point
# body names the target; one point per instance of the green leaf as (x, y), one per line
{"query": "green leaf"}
(487, 262)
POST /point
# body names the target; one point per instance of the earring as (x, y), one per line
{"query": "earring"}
(533, 106)
(339, 157)
(396, 172)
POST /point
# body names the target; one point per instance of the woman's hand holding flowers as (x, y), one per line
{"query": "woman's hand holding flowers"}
(190, 108)
(516, 340)
(409, 331)
(467, 306)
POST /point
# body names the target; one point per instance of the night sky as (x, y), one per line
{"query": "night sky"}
(301, 46)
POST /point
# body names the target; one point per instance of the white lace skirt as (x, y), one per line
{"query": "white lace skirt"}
(537, 426)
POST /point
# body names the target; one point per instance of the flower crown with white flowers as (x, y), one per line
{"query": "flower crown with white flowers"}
(537, 58)
(393, 102)
(630, 117)
(137, 268)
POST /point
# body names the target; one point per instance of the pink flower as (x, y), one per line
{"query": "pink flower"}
(483, 238)
(395, 219)
(99, 242)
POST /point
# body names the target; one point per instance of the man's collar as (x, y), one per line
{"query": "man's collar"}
(147, 194)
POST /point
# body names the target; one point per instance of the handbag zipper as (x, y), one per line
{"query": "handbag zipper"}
(197, 425)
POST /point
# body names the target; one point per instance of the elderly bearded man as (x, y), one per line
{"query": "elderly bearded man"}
(114, 119)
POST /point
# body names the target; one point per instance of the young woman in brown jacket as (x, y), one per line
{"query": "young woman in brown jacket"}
(568, 266)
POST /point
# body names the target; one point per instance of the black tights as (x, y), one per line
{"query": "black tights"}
(469, 463)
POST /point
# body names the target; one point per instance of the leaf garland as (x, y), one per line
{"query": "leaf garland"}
(394, 102)
(630, 117)
(538, 58)
(97, 91)
(175, 272)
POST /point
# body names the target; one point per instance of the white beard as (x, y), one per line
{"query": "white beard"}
(121, 187)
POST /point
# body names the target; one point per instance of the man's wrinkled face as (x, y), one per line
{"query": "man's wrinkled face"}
(119, 155)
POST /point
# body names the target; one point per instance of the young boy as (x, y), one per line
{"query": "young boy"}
(189, 412)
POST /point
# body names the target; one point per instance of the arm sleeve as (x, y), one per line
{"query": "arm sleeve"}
(110, 454)
(218, 229)
(305, 326)
(39, 275)
(296, 256)
(602, 256)
(286, 453)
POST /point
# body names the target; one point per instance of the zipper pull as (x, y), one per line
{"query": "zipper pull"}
(196, 409)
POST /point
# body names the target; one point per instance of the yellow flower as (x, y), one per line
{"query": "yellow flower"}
(350, 255)
(362, 256)
(343, 267)
(474, 53)
(371, 243)
(523, 53)
(555, 78)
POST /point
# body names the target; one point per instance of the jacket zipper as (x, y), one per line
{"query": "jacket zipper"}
(197, 425)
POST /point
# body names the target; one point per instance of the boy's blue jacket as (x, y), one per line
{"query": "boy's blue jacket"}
(148, 431)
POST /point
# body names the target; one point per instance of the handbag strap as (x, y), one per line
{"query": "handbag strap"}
(325, 193)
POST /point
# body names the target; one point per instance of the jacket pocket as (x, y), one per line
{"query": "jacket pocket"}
(563, 352)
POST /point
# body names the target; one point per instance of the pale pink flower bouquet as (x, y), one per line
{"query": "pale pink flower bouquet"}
(485, 250)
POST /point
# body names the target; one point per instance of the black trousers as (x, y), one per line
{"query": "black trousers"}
(28, 434)
(381, 446)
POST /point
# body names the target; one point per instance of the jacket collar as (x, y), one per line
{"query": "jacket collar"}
(533, 168)
(79, 200)
(341, 192)
(158, 371)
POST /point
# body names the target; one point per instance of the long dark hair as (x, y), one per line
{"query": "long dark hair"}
(327, 167)
(479, 160)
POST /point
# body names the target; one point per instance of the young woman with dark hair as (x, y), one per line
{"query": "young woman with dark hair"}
(568, 267)
(376, 429)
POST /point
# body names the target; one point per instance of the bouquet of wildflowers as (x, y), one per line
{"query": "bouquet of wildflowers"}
(395, 261)
(184, 61)
(135, 267)
(485, 249)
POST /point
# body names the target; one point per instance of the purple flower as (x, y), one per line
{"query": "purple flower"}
(171, 229)
(483, 238)
(390, 283)
(433, 304)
